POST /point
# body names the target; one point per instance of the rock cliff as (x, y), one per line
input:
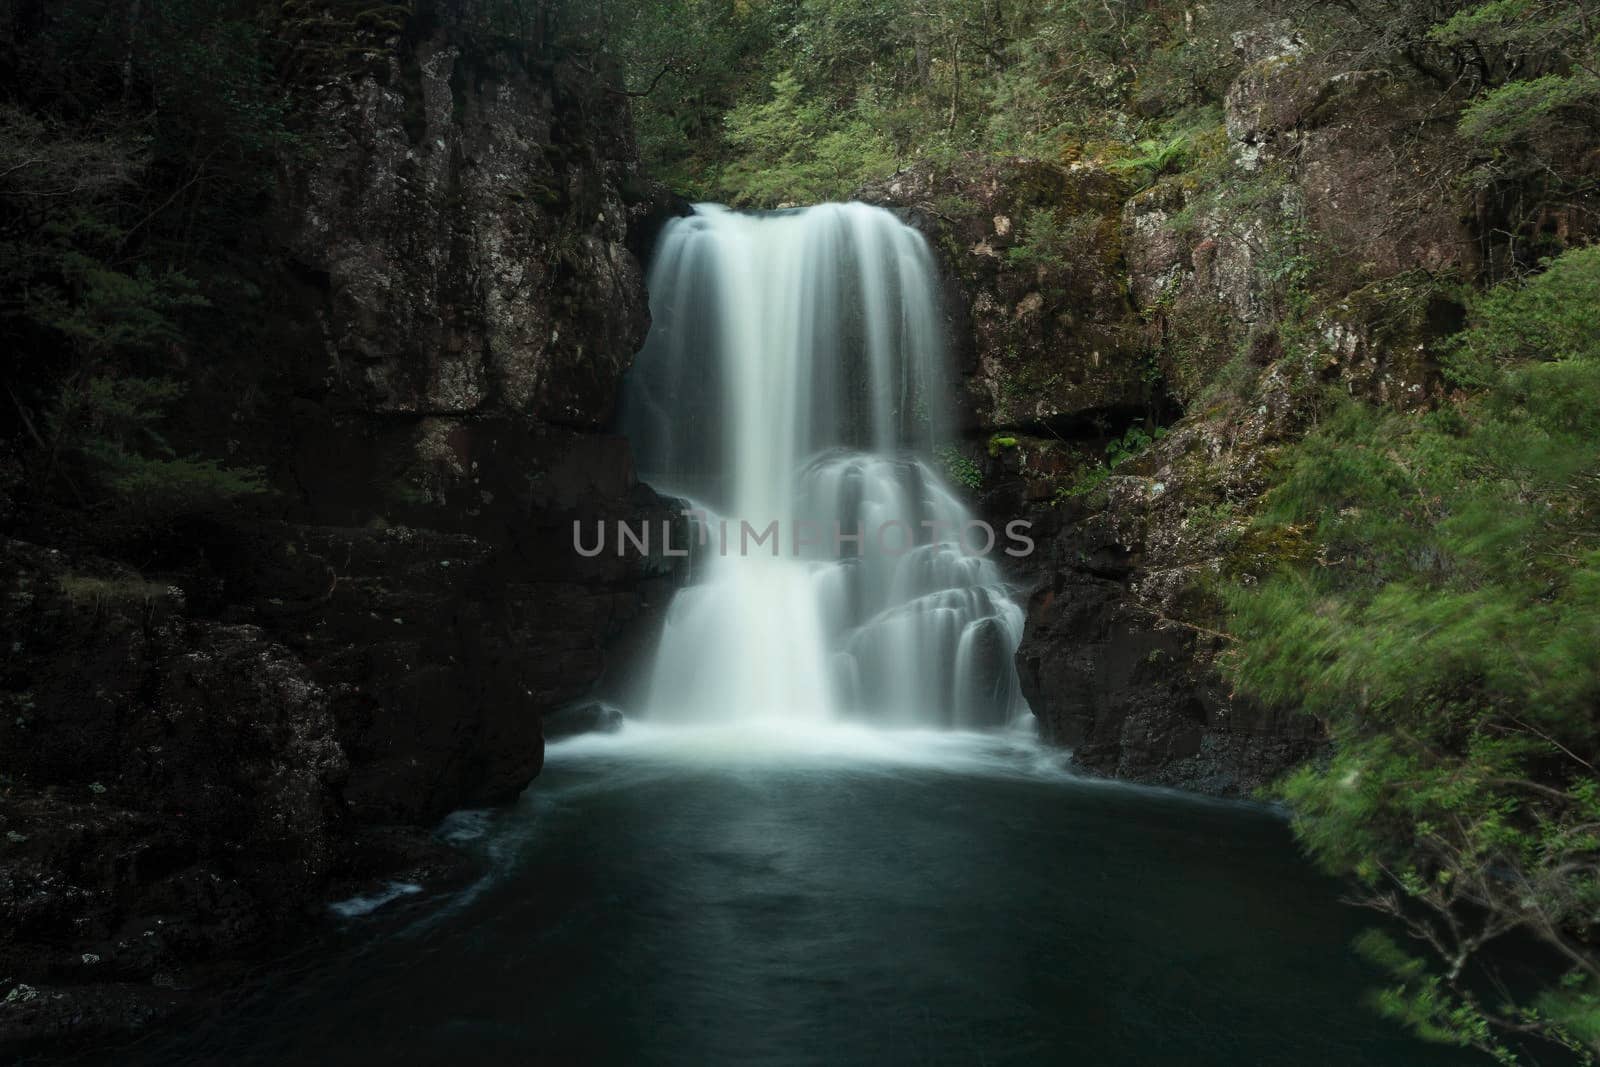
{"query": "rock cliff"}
(281, 701)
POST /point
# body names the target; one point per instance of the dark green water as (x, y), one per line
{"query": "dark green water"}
(844, 899)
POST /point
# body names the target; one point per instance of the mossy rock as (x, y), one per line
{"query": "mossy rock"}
(1264, 550)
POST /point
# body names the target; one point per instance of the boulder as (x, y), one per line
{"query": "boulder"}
(588, 717)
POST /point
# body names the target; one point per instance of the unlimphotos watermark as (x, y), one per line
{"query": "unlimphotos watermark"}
(804, 537)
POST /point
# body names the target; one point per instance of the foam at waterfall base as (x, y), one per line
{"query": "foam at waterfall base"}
(779, 742)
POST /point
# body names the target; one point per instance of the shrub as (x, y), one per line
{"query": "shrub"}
(110, 427)
(1050, 241)
(1445, 630)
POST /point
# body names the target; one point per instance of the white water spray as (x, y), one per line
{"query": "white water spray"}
(795, 372)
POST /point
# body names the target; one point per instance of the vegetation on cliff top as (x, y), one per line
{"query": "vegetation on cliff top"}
(761, 102)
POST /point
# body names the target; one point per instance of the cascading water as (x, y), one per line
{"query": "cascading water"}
(794, 374)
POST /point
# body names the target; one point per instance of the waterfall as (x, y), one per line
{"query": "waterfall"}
(794, 380)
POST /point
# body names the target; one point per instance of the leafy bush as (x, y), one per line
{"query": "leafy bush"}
(791, 149)
(1047, 240)
(1534, 64)
(764, 103)
(1446, 633)
(1131, 443)
(1195, 137)
(1523, 107)
(137, 144)
(1087, 480)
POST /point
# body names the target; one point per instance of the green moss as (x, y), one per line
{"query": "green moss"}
(1267, 550)
(1086, 483)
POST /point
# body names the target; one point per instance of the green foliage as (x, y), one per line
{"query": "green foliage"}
(1218, 522)
(694, 61)
(137, 146)
(1086, 481)
(1187, 141)
(763, 102)
(1420, 1000)
(1152, 158)
(1574, 1006)
(1127, 85)
(791, 149)
(1089, 478)
(98, 311)
(1446, 630)
(1536, 64)
(1521, 108)
(111, 427)
(1507, 40)
(960, 470)
(1546, 320)
(1047, 240)
(1120, 450)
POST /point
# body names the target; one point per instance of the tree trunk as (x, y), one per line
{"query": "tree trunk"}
(955, 79)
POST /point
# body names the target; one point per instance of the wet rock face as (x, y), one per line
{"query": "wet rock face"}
(1376, 172)
(469, 222)
(466, 234)
(441, 652)
(1044, 332)
(1119, 651)
(591, 717)
(1109, 661)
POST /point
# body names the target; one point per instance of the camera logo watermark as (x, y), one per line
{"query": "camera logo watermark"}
(802, 537)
